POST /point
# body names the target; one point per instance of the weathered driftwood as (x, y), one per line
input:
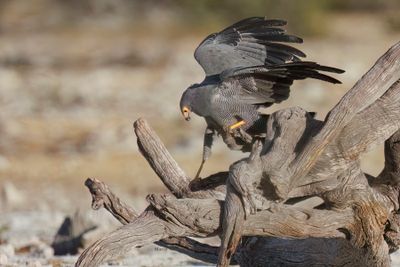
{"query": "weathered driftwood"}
(356, 226)
(102, 196)
(293, 159)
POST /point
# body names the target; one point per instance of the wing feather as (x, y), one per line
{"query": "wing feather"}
(249, 42)
(265, 85)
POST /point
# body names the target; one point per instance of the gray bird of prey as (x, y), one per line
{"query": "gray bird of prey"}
(247, 66)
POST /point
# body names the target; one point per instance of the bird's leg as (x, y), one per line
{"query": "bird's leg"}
(199, 170)
(244, 136)
(209, 137)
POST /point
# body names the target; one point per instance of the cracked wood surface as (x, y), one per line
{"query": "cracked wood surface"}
(366, 91)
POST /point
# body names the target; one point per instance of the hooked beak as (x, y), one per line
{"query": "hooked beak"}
(186, 113)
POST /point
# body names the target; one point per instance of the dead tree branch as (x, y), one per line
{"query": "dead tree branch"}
(161, 161)
(102, 196)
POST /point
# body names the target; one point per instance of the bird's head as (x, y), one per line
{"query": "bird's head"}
(186, 107)
(187, 102)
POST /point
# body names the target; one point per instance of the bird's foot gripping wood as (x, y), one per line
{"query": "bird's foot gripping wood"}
(236, 125)
(237, 131)
(241, 134)
(247, 138)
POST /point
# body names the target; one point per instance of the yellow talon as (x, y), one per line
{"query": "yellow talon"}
(236, 125)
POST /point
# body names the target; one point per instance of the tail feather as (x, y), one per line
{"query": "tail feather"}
(293, 71)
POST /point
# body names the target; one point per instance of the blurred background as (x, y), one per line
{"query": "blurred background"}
(75, 75)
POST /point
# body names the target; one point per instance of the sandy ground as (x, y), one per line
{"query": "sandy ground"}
(69, 99)
(25, 243)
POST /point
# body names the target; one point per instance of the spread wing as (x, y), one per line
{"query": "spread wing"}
(249, 42)
(265, 85)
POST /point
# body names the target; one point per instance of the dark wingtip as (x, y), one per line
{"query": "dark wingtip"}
(317, 66)
(312, 70)
(330, 69)
(340, 71)
(299, 40)
(327, 78)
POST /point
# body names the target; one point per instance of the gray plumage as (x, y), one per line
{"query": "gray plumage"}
(247, 66)
(249, 42)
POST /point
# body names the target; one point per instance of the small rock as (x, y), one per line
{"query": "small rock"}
(7, 250)
(35, 263)
(45, 251)
(42, 250)
(37, 249)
